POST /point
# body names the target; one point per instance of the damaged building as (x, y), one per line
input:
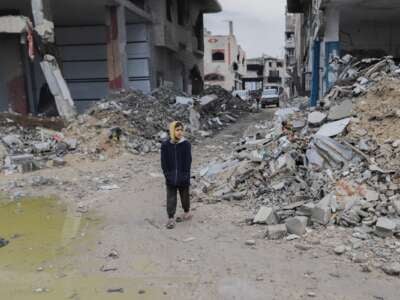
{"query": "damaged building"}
(224, 60)
(329, 29)
(61, 56)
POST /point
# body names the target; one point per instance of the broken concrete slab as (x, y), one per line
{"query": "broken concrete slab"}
(322, 212)
(12, 140)
(371, 195)
(341, 111)
(334, 128)
(392, 269)
(297, 225)
(385, 227)
(184, 100)
(316, 118)
(266, 215)
(14, 24)
(276, 232)
(396, 206)
(306, 209)
(58, 87)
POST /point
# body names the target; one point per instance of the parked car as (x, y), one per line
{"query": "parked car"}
(270, 96)
(242, 94)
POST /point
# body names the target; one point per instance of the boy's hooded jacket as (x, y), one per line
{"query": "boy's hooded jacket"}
(176, 160)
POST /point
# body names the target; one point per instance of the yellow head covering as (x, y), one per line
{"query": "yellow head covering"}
(172, 128)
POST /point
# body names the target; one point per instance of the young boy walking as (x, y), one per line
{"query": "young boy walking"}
(176, 162)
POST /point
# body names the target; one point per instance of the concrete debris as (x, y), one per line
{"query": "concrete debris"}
(297, 225)
(266, 215)
(339, 250)
(334, 128)
(385, 227)
(341, 111)
(392, 269)
(299, 172)
(276, 232)
(316, 118)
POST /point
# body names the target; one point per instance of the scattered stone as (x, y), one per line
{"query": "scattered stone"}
(108, 268)
(292, 237)
(316, 118)
(276, 232)
(334, 128)
(266, 215)
(341, 111)
(250, 243)
(303, 247)
(322, 212)
(113, 254)
(392, 269)
(339, 250)
(359, 258)
(297, 225)
(115, 290)
(385, 227)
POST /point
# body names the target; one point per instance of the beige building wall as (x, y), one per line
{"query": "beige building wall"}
(224, 61)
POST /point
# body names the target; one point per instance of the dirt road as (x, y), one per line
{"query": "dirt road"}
(205, 258)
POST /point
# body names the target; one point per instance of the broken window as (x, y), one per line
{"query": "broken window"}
(199, 32)
(183, 10)
(218, 55)
(235, 66)
(270, 64)
(279, 64)
(169, 10)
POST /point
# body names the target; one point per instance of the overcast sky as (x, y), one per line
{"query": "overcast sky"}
(258, 24)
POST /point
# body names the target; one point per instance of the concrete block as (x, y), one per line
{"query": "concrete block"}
(316, 118)
(306, 209)
(266, 215)
(371, 195)
(396, 206)
(276, 232)
(385, 227)
(341, 111)
(296, 225)
(321, 215)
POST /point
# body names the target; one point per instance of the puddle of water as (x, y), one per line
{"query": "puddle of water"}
(38, 229)
(42, 232)
(85, 288)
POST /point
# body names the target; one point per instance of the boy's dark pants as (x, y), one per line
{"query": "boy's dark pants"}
(172, 199)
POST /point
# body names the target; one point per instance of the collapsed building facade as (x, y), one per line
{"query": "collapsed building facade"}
(76, 52)
(326, 30)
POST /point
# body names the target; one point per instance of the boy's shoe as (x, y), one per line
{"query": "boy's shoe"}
(184, 217)
(170, 224)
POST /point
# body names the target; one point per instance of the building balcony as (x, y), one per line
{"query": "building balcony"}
(290, 43)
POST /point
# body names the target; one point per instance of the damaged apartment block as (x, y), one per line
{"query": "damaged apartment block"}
(59, 57)
(328, 30)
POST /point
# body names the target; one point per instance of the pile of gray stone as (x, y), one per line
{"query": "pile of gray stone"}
(304, 169)
(129, 120)
(31, 147)
(142, 120)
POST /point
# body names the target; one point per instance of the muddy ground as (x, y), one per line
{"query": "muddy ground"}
(82, 242)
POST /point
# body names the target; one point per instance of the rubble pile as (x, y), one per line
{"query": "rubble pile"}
(337, 165)
(28, 144)
(128, 120)
(357, 76)
(141, 121)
